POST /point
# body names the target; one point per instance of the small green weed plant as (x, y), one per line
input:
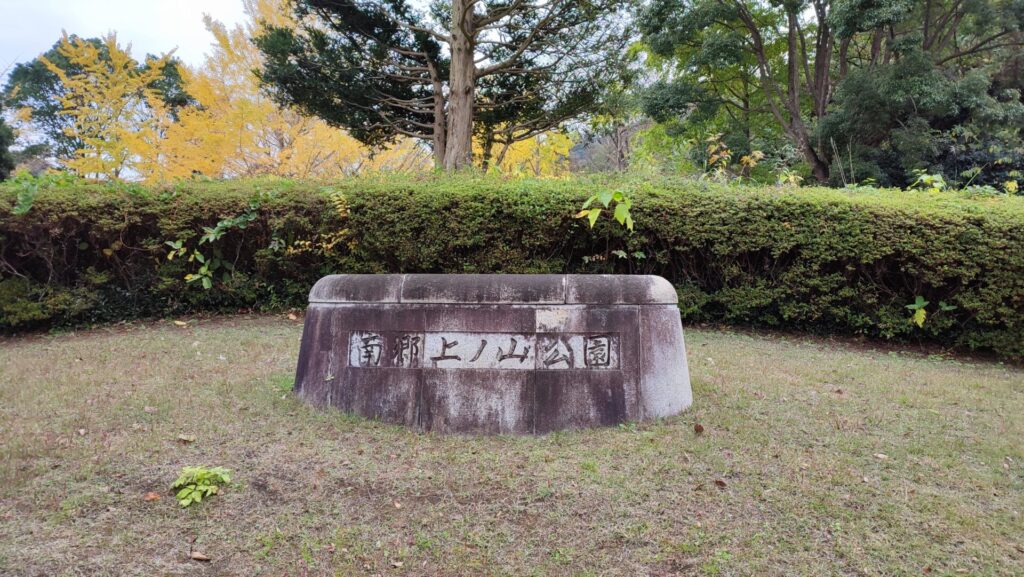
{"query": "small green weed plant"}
(921, 313)
(933, 183)
(621, 212)
(196, 483)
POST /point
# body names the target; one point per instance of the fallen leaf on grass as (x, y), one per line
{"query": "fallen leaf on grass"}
(698, 428)
(881, 456)
(81, 432)
(148, 409)
(292, 317)
(181, 323)
(397, 564)
(151, 496)
(197, 556)
(186, 439)
(720, 483)
(398, 505)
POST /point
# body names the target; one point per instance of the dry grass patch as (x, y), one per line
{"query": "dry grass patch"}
(814, 460)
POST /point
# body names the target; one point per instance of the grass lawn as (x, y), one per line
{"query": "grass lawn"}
(816, 459)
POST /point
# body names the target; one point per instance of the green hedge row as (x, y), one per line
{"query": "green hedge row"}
(820, 260)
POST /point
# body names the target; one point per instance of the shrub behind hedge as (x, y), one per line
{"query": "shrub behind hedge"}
(820, 260)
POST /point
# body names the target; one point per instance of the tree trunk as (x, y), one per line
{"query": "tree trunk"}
(844, 64)
(439, 137)
(504, 150)
(876, 45)
(797, 128)
(621, 147)
(818, 167)
(748, 130)
(487, 152)
(461, 83)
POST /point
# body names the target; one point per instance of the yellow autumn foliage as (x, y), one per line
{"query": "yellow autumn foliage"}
(545, 154)
(108, 99)
(238, 131)
(233, 130)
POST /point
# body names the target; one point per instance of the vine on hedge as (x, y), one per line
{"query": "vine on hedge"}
(214, 262)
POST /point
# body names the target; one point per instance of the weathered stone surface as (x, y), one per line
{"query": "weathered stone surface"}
(497, 354)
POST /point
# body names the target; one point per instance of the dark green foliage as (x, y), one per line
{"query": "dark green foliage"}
(6, 157)
(818, 260)
(709, 82)
(861, 89)
(384, 69)
(87, 253)
(349, 70)
(911, 115)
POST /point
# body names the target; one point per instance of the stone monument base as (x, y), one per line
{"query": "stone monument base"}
(516, 354)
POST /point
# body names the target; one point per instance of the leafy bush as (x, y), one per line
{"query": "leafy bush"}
(88, 253)
(818, 260)
(196, 483)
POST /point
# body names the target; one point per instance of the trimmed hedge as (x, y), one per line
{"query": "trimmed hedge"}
(820, 260)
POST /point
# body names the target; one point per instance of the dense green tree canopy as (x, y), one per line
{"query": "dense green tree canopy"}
(859, 88)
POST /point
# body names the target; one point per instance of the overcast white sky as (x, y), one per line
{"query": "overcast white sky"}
(30, 27)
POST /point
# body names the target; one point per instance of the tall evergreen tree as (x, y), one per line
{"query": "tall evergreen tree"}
(507, 68)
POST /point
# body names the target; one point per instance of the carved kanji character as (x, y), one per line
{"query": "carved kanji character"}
(370, 350)
(597, 351)
(512, 353)
(558, 351)
(483, 343)
(444, 356)
(407, 351)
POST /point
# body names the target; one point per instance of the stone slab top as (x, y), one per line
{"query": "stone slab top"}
(509, 289)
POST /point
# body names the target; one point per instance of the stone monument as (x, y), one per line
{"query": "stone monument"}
(516, 354)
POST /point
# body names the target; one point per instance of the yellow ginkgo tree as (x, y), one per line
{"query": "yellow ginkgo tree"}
(237, 130)
(544, 154)
(110, 99)
(229, 128)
